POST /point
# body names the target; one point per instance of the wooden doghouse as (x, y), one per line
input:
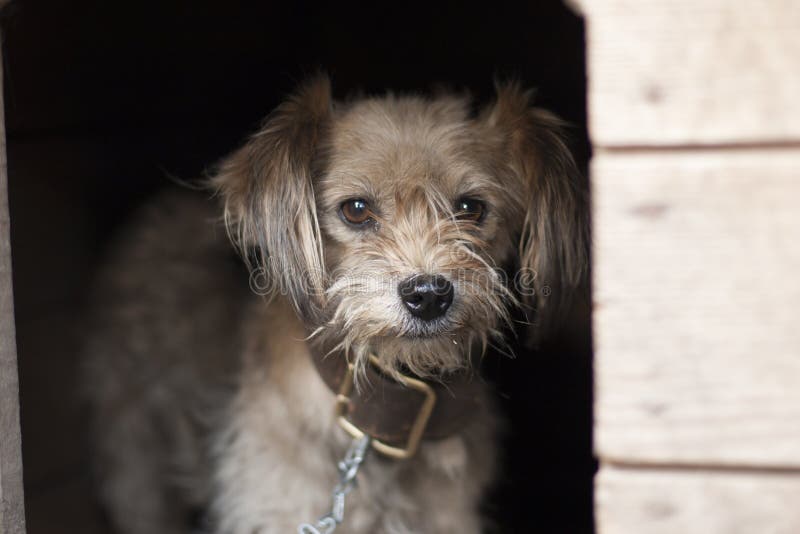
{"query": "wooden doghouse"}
(695, 122)
(694, 111)
(12, 515)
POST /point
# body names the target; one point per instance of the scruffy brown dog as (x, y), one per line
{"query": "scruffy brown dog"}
(385, 231)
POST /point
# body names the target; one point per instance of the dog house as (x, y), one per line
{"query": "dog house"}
(12, 515)
(694, 119)
(695, 124)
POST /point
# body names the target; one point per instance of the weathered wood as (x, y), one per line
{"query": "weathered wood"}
(697, 307)
(696, 502)
(678, 72)
(12, 516)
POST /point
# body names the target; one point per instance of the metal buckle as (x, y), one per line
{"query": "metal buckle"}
(417, 429)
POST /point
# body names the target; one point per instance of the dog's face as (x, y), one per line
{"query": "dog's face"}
(387, 221)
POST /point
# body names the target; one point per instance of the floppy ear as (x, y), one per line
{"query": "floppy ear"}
(269, 199)
(553, 244)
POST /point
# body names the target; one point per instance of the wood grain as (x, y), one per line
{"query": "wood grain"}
(12, 516)
(695, 502)
(697, 307)
(684, 72)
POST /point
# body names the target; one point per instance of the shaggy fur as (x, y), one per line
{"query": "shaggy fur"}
(204, 393)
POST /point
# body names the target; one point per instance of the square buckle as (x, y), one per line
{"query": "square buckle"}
(417, 428)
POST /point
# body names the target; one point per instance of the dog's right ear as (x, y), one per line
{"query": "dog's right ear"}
(268, 193)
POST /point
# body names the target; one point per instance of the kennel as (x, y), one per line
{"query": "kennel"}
(12, 516)
(695, 129)
(695, 123)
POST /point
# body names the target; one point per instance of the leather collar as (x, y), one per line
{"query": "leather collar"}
(386, 409)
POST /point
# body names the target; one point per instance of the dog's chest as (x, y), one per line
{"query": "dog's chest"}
(278, 466)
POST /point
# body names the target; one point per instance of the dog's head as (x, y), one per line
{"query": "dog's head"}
(387, 222)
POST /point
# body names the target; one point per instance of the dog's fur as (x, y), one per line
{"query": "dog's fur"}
(204, 393)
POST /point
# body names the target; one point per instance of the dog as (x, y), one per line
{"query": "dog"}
(389, 243)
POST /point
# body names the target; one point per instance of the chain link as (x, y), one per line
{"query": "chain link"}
(348, 469)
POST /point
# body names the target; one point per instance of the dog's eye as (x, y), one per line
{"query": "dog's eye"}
(470, 209)
(356, 211)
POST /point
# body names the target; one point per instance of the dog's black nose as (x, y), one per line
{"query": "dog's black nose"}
(426, 297)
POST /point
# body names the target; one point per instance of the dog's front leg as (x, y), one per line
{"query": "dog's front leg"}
(270, 475)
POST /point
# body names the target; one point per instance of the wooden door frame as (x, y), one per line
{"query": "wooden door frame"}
(12, 506)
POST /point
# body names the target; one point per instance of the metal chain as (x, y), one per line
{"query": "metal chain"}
(348, 469)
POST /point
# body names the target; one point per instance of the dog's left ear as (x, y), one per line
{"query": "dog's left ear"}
(270, 208)
(553, 246)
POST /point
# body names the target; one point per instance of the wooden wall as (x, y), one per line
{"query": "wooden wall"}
(12, 517)
(694, 110)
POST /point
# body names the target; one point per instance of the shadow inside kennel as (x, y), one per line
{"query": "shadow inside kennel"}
(105, 100)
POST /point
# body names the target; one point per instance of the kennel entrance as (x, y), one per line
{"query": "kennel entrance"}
(695, 127)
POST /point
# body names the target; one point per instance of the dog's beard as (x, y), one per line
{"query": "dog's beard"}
(366, 316)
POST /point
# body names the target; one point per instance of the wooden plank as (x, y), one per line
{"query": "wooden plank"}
(697, 307)
(678, 72)
(643, 501)
(12, 515)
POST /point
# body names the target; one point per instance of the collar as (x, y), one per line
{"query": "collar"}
(398, 413)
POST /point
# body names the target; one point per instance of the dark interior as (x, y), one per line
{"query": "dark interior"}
(105, 101)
